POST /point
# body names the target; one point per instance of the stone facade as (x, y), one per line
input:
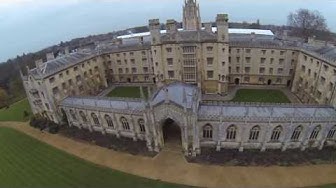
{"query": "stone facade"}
(211, 58)
(221, 125)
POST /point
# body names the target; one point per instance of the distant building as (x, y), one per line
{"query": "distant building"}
(184, 64)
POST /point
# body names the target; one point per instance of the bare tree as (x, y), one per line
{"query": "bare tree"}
(305, 22)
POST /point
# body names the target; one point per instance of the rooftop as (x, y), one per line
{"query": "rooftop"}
(214, 29)
(59, 63)
(182, 94)
(267, 111)
(104, 103)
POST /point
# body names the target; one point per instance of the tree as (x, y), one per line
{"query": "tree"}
(3, 98)
(305, 22)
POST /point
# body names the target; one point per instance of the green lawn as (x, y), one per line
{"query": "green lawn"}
(26, 162)
(260, 95)
(16, 111)
(128, 92)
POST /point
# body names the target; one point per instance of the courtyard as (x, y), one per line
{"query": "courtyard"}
(128, 92)
(261, 96)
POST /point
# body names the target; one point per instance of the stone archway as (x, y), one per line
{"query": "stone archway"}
(172, 134)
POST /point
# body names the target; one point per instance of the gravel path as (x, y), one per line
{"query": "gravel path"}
(172, 167)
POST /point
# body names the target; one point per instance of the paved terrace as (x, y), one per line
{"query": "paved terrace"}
(172, 167)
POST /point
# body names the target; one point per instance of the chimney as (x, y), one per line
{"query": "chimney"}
(208, 27)
(50, 56)
(66, 50)
(141, 40)
(38, 63)
(171, 26)
(253, 36)
(154, 28)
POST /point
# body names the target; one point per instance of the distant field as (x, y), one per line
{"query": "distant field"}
(260, 95)
(16, 111)
(26, 162)
(127, 92)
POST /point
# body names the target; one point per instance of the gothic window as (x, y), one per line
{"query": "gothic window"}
(83, 116)
(207, 131)
(109, 121)
(254, 133)
(95, 119)
(276, 134)
(141, 123)
(331, 133)
(73, 115)
(231, 132)
(125, 123)
(296, 133)
(315, 133)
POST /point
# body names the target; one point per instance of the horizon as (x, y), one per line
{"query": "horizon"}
(31, 25)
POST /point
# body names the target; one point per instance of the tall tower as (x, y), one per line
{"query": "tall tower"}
(191, 15)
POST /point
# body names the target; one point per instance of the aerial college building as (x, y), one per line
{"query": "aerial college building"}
(182, 64)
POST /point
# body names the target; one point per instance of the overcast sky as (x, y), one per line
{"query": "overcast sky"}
(30, 25)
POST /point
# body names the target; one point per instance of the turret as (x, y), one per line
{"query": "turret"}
(191, 15)
(222, 28)
(154, 28)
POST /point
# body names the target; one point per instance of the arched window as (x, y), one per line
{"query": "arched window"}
(95, 119)
(73, 115)
(315, 133)
(141, 123)
(207, 131)
(109, 121)
(276, 134)
(83, 116)
(231, 132)
(124, 123)
(254, 133)
(296, 134)
(331, 133)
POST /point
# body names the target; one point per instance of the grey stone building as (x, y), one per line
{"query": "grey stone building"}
(182, 64)
(219, 125)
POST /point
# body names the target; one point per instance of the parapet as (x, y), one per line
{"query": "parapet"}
(154, 24)
(222, 18)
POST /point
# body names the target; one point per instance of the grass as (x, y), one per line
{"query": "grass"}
(260, 95)
(128, 92)
(27, 162)
(16, 111)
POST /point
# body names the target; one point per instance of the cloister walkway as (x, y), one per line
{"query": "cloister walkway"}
(171, 166)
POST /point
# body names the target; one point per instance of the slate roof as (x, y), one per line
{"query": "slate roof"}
(50, 67)
(182, 94)
(266, 111)
(104, 103)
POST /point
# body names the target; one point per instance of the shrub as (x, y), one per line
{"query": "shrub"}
(43, 123)
(53, 128)
(25, 113)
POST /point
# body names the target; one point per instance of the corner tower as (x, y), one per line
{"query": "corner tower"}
(191, 15)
